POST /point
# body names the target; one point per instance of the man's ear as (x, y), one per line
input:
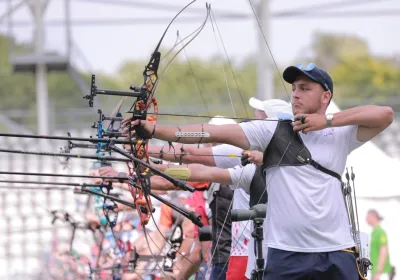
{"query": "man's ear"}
(326, 97)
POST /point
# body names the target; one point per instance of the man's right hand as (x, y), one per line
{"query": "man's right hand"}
(255, 157)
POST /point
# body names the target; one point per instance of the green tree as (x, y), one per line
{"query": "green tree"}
(357, 74)
(331, 49)
(371, 77)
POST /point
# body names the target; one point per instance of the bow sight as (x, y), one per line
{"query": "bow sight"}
(94, 91)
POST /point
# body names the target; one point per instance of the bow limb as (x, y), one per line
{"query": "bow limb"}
(139, 110)
(138, 170)
(173, 19)
(197, 32)
(179, 41)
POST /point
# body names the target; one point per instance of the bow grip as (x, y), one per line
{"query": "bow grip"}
(142, 133)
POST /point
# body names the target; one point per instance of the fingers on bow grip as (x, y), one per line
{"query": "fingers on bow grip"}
(245, 158)
(142, 133)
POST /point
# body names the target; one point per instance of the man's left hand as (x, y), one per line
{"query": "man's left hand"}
(311, 122)
(108, 171)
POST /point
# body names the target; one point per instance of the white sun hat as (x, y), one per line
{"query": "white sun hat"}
(271, 107)
(220, 120)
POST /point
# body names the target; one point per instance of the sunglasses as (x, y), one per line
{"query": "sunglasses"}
(310, 67)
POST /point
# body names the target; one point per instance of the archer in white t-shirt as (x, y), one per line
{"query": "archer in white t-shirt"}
(220, 156)
(242, 241)
(239, 178)
(226, 156)
(306, 216)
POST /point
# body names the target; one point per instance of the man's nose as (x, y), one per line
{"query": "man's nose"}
(295, 94)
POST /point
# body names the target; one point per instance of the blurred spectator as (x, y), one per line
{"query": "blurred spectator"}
(379, 252)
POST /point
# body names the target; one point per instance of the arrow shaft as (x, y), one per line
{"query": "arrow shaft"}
(93, 140)
(105, 158)
(62, 175)
(40, 183)
(179, 183)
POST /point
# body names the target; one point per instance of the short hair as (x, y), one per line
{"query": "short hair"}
(375, 213)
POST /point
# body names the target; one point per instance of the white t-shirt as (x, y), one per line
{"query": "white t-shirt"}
(306, 210)
(243, 176)
(241, 233)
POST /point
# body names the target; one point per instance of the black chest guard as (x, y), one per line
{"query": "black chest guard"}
(221, 223)
(258, 193)
(288, 143)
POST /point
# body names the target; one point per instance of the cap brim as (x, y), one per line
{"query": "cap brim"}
(256, 104)
(292, 72)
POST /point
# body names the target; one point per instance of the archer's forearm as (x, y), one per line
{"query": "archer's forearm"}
(166, 152)
(161, 184)
(369, 116)
(197, 173)
(224, 134)
(183, 153)
(168, 133)
(191, 266)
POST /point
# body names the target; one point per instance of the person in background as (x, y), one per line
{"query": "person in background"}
(379, 251)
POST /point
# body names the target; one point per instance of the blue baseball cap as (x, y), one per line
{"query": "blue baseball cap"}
(316, 74)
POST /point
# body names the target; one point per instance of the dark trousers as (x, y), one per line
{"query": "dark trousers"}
(284, 265)
(218, 271)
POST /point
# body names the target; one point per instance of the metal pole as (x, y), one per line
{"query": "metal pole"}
(9, 27)
(265, 79)
(42, 102)
(11, 9)
(68, 28)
